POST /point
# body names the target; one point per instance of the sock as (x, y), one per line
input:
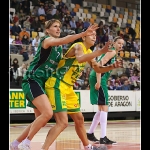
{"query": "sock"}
(103, 123)
(95, 122)
(26, 141)
(87, 147)
(15, 143)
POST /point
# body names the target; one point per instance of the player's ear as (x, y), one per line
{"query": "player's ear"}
(83, 38)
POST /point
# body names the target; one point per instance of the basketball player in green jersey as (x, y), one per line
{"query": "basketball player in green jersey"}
(45, 62)
(59, 89)
(99, 93)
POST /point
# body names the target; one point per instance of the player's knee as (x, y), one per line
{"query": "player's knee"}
(63, 124)
(79, 121)
(47, 115)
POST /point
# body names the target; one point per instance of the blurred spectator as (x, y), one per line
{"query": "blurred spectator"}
(132, 32)
(16, 29)
(22, 19)
(49, 15)
(68, 30)
(66, 21)
(35, 40)
(35, 48)
(10, 39)
(64, 9)
(136, 69)
(46, 7)
(79, 29)
(72, 13)
(123, 78)
(110, 36)
(26, 6)
(34, 12)
(14, 4)
(30, 47)
(24, 53)
(15, 18)
(104, 39)
(20, 74)
(41, 11)
(130, 46)
(27, 24)
(85, 85)
(129, 70)
(17, 40)
(117, 28)
(99, 32)
(13, 69)
(35, 24)
(53, 10)
(136, 44)
(86, 23)
(13, 48)
(117, 86)
(73, 23)
(118, 81)
(25, 40)
(21, 13)
(106, 29)
(134, 78)
(57, 15)
(110, 85)
(80, 23)
(24, 32)
(125, 86)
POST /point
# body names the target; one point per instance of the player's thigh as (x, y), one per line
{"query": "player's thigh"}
(54, 90)
(72, 101)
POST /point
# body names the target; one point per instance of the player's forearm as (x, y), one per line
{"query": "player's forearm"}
(98, 77)
(103, 69)
(88, 57)
(70, 38)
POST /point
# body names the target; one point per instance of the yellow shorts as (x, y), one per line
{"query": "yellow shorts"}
(61, 96)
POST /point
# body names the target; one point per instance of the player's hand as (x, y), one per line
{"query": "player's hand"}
(97, 86)
(90, 30)
(107, 47)
(118, 64)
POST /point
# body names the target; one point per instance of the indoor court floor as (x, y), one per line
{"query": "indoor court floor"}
(127, 133)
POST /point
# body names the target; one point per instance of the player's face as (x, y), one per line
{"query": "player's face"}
(54, 30)
(119, 44)
(90, 40)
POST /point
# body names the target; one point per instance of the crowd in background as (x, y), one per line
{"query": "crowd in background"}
(26, 21)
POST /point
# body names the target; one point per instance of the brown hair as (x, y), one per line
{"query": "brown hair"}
(117, 37)
(49, 23)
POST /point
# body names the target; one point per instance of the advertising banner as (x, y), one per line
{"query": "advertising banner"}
(120, 101)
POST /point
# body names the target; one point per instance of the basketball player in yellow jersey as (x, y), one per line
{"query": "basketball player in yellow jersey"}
(59, 89)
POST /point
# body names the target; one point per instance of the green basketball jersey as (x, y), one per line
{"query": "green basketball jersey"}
(104, 76)
(44, 62)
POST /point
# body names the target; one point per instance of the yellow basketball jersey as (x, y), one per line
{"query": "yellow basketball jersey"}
(69, 69)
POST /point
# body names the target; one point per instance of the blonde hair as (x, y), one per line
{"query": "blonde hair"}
(49, 23)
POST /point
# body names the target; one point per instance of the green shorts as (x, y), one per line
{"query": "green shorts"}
(98, 97)
(32, 88)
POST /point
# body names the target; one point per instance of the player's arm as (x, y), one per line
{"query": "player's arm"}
(51, 41)
(98, 81)
(81, 57)
(107, 57)
(102, 69)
